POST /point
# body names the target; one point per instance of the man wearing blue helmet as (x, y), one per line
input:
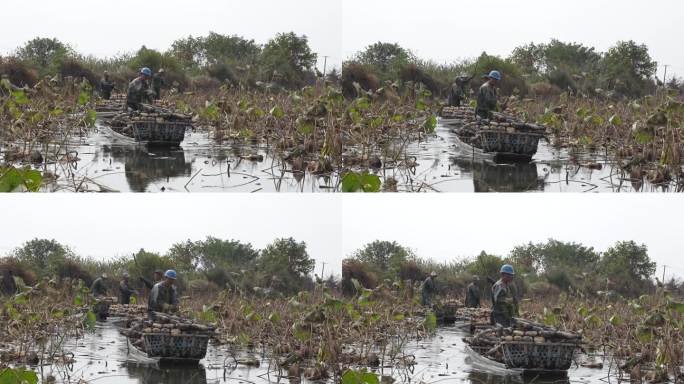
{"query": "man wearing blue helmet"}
(139, 90)
(164, 297)
(504, 298)
(486, 96)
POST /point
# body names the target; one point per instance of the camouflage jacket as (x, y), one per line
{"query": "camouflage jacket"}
(160, 295)
(504, 299)
(428, 286)
(137, 91)
(158, 81)
(486, 101)
(98, 288)
(472, 296)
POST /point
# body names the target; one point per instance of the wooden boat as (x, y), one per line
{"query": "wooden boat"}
(480, 362)
(168, 134)
(163, 347)
(553, 352)
(502, 138)
(498, 145)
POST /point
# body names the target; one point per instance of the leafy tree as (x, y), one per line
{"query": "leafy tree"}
(219, 48)
(553, 255)
(215, 48)
(42, 255)
(628, 266)
(385, 257)
(154, 60)
(288, 55)
(144, 263)
(385, 58)
(485, 265)
(188, 51)
(529, 58)
(45, 53)
(627, 68)
(286, 263)
(512, 82)
(212, 253)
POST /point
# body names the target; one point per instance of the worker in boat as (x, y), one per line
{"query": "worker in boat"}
(429, 289)
(486, 96)
(504, 298)
(139, 90)
(7, 284)
(6, 86)
(157, 277)
(164, 297)
(99, 287)
(125, 290)
(106, 86)
(158, 82)
(473, 294)
(459, 90)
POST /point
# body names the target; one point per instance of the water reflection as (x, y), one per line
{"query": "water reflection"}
(167, 374)
(146, 166)
(489, 177)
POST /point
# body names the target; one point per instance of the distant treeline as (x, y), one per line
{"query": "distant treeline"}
(284, 266)
(204, 61)
(626, 70)
(544, 268)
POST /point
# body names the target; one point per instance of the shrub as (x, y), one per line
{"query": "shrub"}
(222, 72)
(204, 83)
(356, 73)
(354, 269)
(410, 270)
(72, 269)
(18, 269)
(411, 72)
(74, 68)
(18, 72)
(544, 90)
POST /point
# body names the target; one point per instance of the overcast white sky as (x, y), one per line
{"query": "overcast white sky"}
(446, 31)
(104, 28)
(441, 30)
(445, 227)
(104, 226)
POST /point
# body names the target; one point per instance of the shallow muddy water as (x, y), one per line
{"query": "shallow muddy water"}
(100, 162)
(108, 164)
(444, 165)
(102, 357)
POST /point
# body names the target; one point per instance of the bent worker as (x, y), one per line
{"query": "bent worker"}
(164, 297)
(7, 284)
(139, 90)
(99, 288)
(158, 82)
(486, 96)
(458, 91)
(428, 289)
(504, 298)
(473, 294)
(106, 86)
(125, 291)
(157, 277)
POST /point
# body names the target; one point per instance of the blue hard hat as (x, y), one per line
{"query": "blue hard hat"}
(171, 274)
(507, 268)
(495, 75)
(146, 71)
